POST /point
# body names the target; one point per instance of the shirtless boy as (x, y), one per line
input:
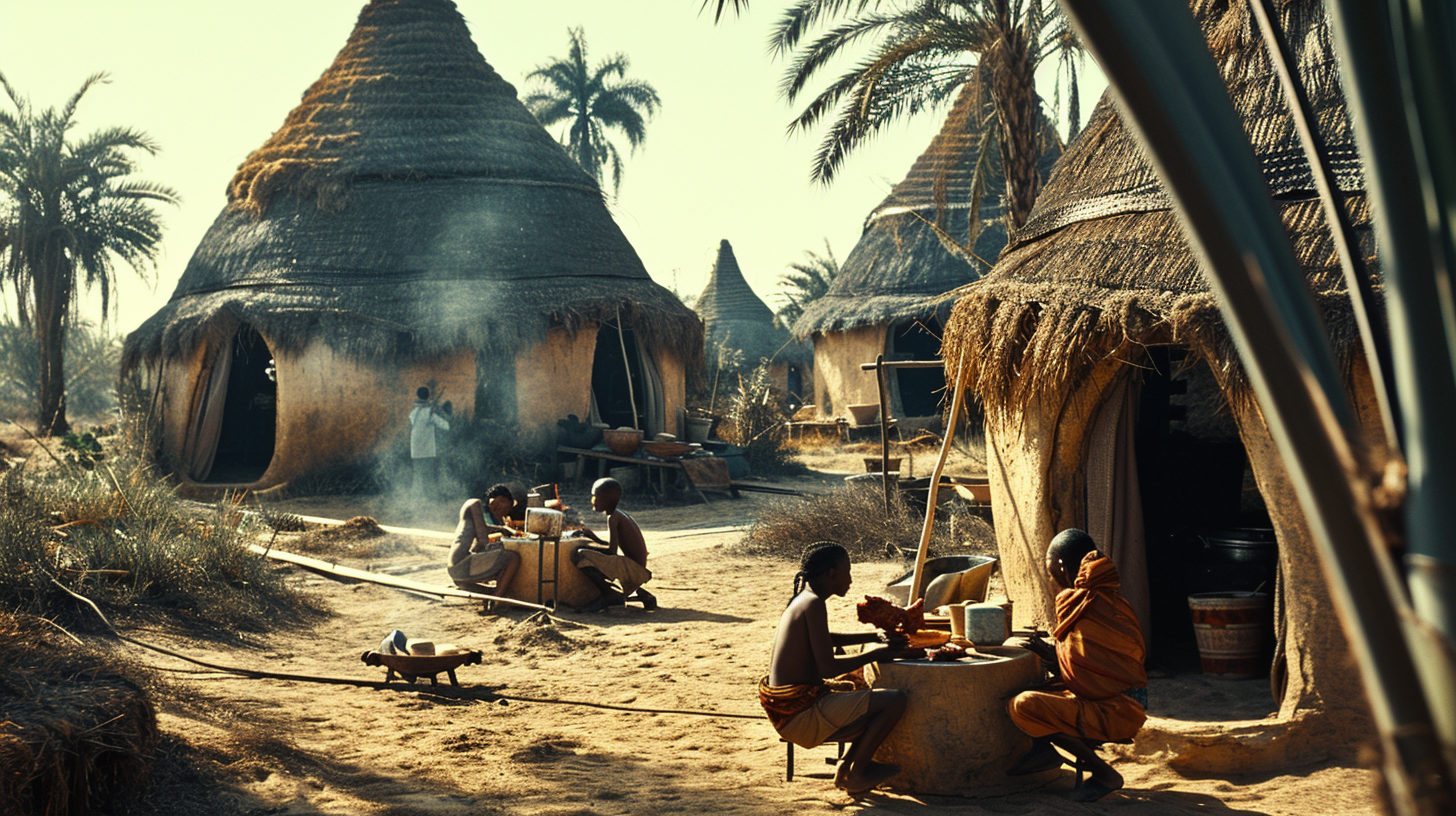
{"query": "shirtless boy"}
(801, 706)
(601, 564)
(475, 558)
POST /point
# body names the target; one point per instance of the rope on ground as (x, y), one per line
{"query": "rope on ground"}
(446, 691)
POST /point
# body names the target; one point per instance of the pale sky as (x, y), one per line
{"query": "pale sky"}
(210, 80)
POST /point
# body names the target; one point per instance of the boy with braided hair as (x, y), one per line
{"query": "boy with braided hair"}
(806, 710)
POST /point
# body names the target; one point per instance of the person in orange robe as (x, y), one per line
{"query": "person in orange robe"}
(1099, 655)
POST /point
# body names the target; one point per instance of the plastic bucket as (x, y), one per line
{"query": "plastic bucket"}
(1234, 632)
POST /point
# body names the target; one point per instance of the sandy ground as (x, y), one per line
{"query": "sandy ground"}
(269, 746)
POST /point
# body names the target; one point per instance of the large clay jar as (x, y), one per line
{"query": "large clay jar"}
(956, 738)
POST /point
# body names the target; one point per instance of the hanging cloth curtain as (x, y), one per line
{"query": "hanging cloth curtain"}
(1114, 501)
(204, 425)
(652, 400)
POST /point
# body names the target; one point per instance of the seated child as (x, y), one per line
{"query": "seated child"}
(602, 564)
(475, 558)
(1099, 658)
(803, 708)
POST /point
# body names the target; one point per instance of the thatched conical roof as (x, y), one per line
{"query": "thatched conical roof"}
(734, 316)
(1102, 265)
(901, 268)
(410, 203)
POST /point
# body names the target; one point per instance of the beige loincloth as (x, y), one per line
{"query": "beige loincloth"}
(832, 711)
(619, 568)
(479, 566)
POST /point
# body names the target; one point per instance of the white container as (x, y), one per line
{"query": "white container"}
(986, 624)
(544, 522)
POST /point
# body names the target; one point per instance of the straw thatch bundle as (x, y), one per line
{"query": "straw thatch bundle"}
(75, 735)
(410, 204)
(734, 316)
(912, 250)
(1101, 266)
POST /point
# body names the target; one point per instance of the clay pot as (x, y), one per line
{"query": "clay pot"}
(623, 441)
(867, 414)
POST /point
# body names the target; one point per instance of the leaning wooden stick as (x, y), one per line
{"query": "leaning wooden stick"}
(917, 583)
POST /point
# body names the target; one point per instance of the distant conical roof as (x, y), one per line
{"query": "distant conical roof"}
(901, 268)
(411, 202)
(733, 315)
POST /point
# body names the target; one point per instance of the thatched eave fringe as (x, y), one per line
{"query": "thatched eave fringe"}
(1029, 343)
(503, 319)
(837, 314)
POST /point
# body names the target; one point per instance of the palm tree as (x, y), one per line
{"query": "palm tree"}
(591, 101)
(926, 51)
(806, 282)
(68, 209)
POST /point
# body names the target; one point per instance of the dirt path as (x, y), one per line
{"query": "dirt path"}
(293, 747)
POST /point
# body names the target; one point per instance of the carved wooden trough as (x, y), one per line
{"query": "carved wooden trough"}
(411, 667)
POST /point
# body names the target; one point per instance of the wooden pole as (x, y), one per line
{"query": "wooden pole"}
(352, 574)
(631, 394)
(884, 430)
(917, 583)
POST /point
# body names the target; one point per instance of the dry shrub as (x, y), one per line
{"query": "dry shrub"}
(76, 735)
(118, 533)
(854, 516)
(755, 422)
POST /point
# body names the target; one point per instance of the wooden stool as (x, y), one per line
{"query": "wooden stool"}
(789, 757)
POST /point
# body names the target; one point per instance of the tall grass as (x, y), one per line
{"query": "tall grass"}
(118, 534)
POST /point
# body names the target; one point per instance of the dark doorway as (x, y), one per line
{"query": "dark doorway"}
(919, 390)
(1194, 477)
(609, 378)
(794, 381)
(250, 413)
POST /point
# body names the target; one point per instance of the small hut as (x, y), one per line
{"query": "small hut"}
(1114, 399)
(735, 318)
(891, 294)
(409, 224)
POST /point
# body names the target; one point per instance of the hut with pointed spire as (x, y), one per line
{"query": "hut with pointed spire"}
(1114, 401)
(410, 224)
(736, 318)
(892, 293)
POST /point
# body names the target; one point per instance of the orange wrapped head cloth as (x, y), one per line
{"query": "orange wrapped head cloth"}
(1100, 653)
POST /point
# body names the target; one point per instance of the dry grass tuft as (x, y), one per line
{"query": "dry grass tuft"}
(854, 517)
(118, 534)
(76, 735)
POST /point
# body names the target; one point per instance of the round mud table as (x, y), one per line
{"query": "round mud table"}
(956, 737)
(574, 588)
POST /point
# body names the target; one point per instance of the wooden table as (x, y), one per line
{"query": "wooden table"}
(840, 427)
(956, 737)
(664, 467)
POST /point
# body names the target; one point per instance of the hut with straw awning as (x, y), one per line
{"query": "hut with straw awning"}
(1114, 399)
(890, 296)
(737, 319)
(410, 224)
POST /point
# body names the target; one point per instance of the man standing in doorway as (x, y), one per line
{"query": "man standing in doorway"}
(424, 419)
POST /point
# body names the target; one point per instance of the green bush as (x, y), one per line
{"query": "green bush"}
(92, 359)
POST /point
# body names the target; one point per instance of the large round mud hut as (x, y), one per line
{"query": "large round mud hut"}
(1114, 399)
(735, 318)
(891, 294)
(410, 224)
